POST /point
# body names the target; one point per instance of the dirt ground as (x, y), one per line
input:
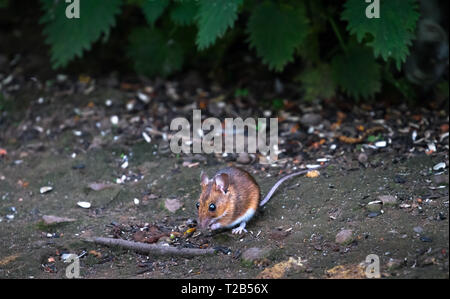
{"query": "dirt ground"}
(410, 236)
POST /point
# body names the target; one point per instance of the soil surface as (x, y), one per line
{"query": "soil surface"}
(296, 235)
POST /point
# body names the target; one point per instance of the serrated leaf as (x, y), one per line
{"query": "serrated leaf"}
(275, 31)
(392, 33)
(153, 9)
(68, 38)
(357, 72)
(4, 3)
(153, 54)
(317, 82)
(184, 12)
(214, 17)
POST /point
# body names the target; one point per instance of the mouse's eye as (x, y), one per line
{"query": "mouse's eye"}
(212, 207)
(197, 205)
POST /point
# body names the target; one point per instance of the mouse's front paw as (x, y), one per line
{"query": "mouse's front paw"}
(215, 226)
(239, 229)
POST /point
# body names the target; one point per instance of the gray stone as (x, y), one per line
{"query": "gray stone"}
(418, 229)
(310, 119)
(388, 199)
(362, 158)
(344, 237)
(254, 253)
(244, 158)
(374, 207)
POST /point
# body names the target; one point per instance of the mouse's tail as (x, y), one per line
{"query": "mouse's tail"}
(275, 187)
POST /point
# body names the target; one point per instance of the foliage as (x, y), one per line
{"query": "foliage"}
(392, 33)
(4, 3)
(340, 47)
(68, 38)
(318, 82)
(153, 9)
(184, 12)
(275, 31)
(214, 17)
(357, 72)
(153, 54)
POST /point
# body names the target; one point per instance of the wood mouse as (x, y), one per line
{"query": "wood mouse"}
(231, 198)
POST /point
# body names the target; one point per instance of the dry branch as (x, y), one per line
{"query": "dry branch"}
(151, 248)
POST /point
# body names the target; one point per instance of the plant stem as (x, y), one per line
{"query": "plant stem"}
(338, 34)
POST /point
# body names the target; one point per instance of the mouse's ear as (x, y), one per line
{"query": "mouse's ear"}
(222, 182)
(204, 178)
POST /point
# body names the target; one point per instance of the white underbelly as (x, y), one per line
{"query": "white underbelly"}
(244, 218)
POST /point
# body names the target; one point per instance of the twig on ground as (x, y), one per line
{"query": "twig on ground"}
(150, 248)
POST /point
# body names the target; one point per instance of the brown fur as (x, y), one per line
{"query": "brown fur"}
(242, 193)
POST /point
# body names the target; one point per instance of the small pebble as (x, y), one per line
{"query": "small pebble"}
(84, 204)
(439, 166)
(425, 239)
(399, 179)
(345, 236)
(254, 253)
(45, 189)
(373, 214)
(114, 120)
(362, 158)
(374, 207)
(143, 97)
(311, 119)
(79, 166)
(388, 199)
(146, 137)
(243, 158)
(380, 144)
(418, 229)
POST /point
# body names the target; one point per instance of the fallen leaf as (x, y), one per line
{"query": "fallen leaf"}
(95, 253)
(190, 231)
(6, 260)
(312, 174)
(294, 128)
(279, 270)
(346, 271)
(3, 152)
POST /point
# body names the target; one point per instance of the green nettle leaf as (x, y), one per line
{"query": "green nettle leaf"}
(184, 12)
(214, 17)
(275, 31)
(153, 9)
(4, 3)
(68, 38)
(318, 82)
(391, 34)
(153, 53)
(357, 72)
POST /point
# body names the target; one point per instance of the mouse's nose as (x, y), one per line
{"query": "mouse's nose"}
(203, 223)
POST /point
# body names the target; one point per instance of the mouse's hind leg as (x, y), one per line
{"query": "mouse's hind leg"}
(240, 228)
